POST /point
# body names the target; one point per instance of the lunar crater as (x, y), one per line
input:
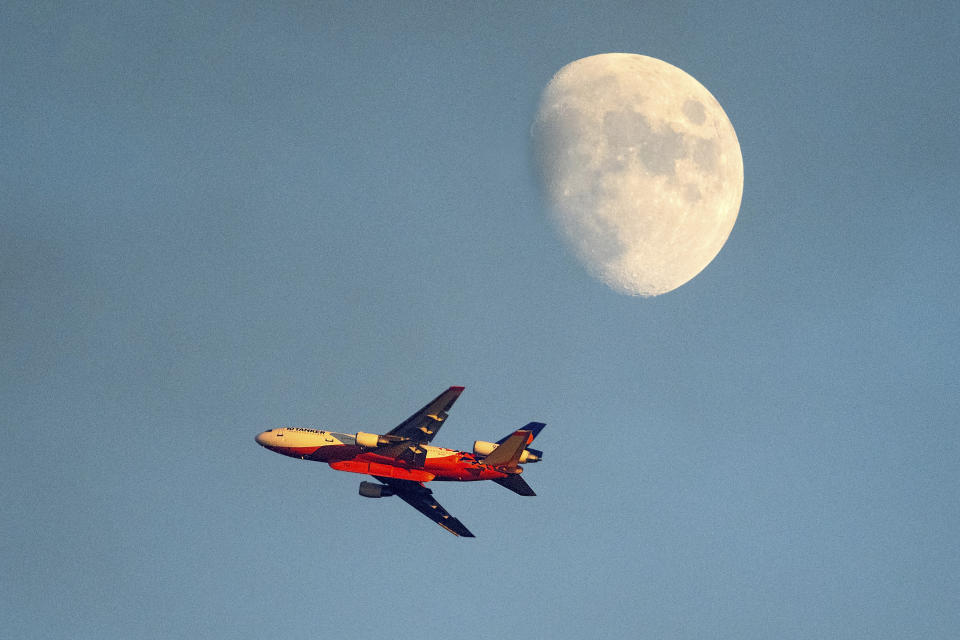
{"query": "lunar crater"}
(694, 111)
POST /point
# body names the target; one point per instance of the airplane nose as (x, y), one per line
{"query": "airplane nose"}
(262, 439)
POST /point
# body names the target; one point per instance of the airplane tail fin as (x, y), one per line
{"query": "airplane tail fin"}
(510, 451)
(533, 455)
(533, 427)
(516, 484)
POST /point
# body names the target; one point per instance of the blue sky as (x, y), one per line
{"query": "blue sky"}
(222, 217)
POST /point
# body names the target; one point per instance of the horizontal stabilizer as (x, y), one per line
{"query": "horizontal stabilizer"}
(508, 454)
(515, 484)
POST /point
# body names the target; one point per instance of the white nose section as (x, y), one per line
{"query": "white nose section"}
(262, 439)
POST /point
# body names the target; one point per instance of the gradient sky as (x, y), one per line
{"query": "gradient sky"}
(220, 217)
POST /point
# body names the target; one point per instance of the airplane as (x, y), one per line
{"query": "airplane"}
(403, 460)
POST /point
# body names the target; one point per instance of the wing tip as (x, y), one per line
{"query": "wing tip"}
(456, 527)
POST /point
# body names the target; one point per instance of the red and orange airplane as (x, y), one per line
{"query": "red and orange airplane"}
(403, 459)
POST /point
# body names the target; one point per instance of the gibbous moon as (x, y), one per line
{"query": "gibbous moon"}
(641, 168)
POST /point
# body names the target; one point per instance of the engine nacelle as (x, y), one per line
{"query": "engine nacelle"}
(530, 455)
(374, 490)
(482, 448)
(371, 439)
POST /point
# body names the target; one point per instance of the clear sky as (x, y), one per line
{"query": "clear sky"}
(219, 217)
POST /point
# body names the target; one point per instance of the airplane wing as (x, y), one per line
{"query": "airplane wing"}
(422, 426)
(420, 498)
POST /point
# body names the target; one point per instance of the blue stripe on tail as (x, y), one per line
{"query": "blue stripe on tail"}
(533, 427)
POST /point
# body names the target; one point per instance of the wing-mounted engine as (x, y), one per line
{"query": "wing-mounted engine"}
(483, 448)
(375, 490)
(392, 446)
(373, 440)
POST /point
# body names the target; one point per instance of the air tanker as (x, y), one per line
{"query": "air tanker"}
(403, 461)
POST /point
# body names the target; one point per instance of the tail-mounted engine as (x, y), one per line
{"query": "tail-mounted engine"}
(374, 490)
(482, 448)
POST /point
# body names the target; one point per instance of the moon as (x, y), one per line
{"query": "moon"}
(641, 169)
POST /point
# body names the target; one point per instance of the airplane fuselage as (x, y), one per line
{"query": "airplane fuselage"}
(341, 452)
